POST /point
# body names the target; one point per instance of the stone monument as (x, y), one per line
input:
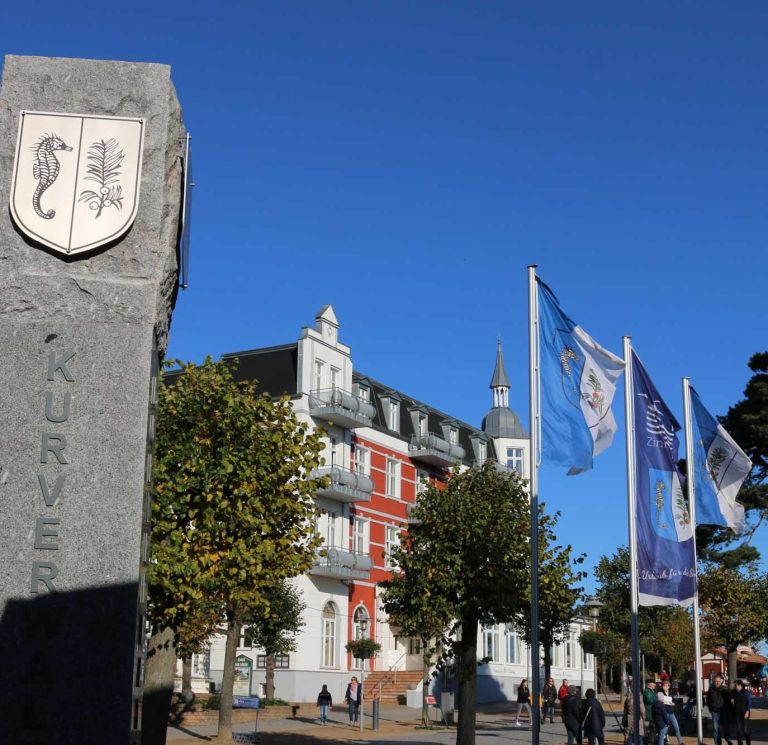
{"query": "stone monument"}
(90, 185)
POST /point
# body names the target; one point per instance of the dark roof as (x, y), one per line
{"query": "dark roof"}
(501, 421)
(275, 368)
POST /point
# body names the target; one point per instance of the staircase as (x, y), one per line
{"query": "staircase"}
(394, 684)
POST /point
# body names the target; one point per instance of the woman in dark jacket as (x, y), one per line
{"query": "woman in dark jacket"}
(571, 707)
(593, 718)
(523, 700)
(549, 694)
(660, 717)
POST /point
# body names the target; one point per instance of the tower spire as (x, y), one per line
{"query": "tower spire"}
(500, 384)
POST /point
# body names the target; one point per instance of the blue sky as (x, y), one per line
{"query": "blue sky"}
(405, 161)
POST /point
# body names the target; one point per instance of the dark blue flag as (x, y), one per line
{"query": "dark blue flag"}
(666, 560)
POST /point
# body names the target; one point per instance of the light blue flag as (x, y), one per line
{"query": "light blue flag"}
(721, 467)
(577, 384)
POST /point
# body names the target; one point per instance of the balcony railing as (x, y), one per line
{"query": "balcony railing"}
(344, 485)
(339, 564)
(339, 407)
(435, 450)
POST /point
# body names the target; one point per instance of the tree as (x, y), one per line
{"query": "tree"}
(275, 630)
(233, 511)
(418, 611)
(559, 591)
(732, 609)
(747, 423)
(467, 546)
(672, 641)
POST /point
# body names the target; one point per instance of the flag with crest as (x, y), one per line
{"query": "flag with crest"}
(721, 467)
(577, 382)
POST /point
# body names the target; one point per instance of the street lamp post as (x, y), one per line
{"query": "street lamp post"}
(363, 629)
(593, 606)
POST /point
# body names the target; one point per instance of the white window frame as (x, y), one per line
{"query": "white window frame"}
(363, 393)
(330, 535)
(570, 657)
(491, 643)
(515, 459)
(392, 472)
(422, 481)
(393, 415)
(335, 377)
(361, 532)
(362, 460)
(482, 452)
(453, 436)
(512, 643)
(391, 541)
(329, 633)
(318, 375)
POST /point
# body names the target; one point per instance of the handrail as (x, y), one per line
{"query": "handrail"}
(397, 662)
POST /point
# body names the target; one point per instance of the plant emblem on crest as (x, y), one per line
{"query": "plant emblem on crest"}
(104, 161)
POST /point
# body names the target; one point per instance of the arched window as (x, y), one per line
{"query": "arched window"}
(330, 630)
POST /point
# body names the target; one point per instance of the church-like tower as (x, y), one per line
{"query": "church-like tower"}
(503, 425)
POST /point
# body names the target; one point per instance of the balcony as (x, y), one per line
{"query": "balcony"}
(342, 408)
(435, 450)
(340, 564)
(344, 485)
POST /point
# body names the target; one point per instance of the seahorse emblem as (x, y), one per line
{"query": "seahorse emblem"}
(46, 169)
(566, 355)
(660, 503)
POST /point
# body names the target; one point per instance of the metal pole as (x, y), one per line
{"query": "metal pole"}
(362, 693)
(533, 378)
(691, 485)
(629, 412)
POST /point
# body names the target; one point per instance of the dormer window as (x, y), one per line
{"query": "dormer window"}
(393, 415)
(362, 392)
(453, 436)
(482, 453)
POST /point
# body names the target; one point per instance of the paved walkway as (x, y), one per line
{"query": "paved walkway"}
(399, 724)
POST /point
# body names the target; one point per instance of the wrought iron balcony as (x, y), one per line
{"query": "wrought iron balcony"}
(435, 450)
(339, 407)
(344, 485)
(340, 564)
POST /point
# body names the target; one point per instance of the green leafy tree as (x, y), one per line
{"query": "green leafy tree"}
(747, 423)
(416, 608)
(467, 546)
(732, 609)
(559, 590)
(672, 641)
(275, 630)
(233, 511)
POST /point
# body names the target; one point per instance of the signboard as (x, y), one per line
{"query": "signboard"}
(246, 702)
(243, 674)
(76, 179)
(431, 700)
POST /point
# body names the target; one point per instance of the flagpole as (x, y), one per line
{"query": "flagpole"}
(691, 484)
(629, 411)
(533, 485)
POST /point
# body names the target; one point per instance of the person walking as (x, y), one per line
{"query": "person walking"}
(669, 705)
(593, 718)
(352, 697)
(325, 702)
(523, 700)
(660, 717)
(562, 692)
(649, 696)
(741, 710)
(549, 696)
(716, 704)
(571, 710)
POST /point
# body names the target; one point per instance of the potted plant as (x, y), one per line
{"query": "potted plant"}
(363, 649)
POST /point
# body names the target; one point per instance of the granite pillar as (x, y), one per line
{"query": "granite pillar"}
(80, 337)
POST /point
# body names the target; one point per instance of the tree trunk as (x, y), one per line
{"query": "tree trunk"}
(186, 679)
(228, 679)
(467, 659)
(158, 687)
(426, 660)
(269, 685)
(733, 656)
(547, 662)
